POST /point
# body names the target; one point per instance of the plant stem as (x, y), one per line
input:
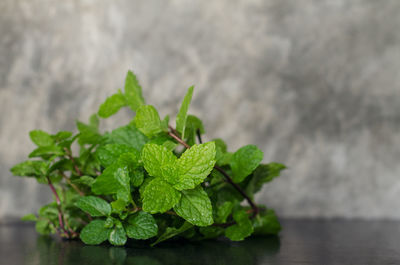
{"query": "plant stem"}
(199, 136)
(179, 140)
(227, 177)
(69, 154)
(58, 201)
(72, 185)
(236, 186)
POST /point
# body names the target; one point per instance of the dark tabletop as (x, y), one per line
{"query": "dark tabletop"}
(301, 242)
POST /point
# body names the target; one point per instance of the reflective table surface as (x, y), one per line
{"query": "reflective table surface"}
(319, 242)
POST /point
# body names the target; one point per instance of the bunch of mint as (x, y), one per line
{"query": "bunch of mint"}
(147, 180)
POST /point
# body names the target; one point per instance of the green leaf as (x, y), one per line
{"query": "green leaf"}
(62, 165)
(171, 232)
(41, 138)
(266, 223)
(94, 206)
(112, 105)
(165, 123)
(263, 174)
(193, 125)
(195, 207)
(242, 229)
(88, 134)
(169, 173)
(220, 150)
(195, 165)
(154, 157)
(61, 136)
(94, 121)
(114, 179)
(133, 92)
(118, 206)
(29, 217)
(137, 176)
(147, 120)
(164, 141)
(159, 196)
(244, 161)
(30, 168)
(117, 236)
(51, 150)
(43, 227)
(128, 135)
(84, 180)
(211, 231)
(223, 211)
(95, 232)
(109, 223)
(141, 226)
(182, 114)
(49, 211)
(110, 153)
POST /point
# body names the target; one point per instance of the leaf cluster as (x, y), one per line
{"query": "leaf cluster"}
(147, 180)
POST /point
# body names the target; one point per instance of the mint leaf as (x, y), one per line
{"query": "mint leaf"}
(244, 161)
(114, 179)
(141, 226)
(51, 150)
(94, 121)
(112, 105)
(266, 223)
(137, 176)
(117, 236)
(88, 134)
(30, 168)
(171, 232)
(147, 120)
(118, 206)
(220, 151)
(242, 229)
(195, 207)
(41, 138)
(29, 217)
(195, 165)
(169, 173)
(133, 92)
(43, 227)
(61, 136)
(165, 123)
(110, 153)
(193, 125)
(164, 141)
(182, 114)
(154, 157)
(263, 174)
(94, 206)
(223, 211)
(94, 233)
(128, 135)
(84, 180)
(159, 196)
(211, 231)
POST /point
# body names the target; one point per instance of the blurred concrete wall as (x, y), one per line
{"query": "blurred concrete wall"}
(315, 84)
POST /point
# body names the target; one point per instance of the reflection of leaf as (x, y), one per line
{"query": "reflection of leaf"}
(117, 255)
(249, 252)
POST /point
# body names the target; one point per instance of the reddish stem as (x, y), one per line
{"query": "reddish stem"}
(69, 154)
(72, 185)
(58, 201)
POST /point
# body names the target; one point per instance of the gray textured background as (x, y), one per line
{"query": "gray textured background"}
(315, 84)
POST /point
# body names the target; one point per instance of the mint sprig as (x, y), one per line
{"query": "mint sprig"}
(147, 180)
